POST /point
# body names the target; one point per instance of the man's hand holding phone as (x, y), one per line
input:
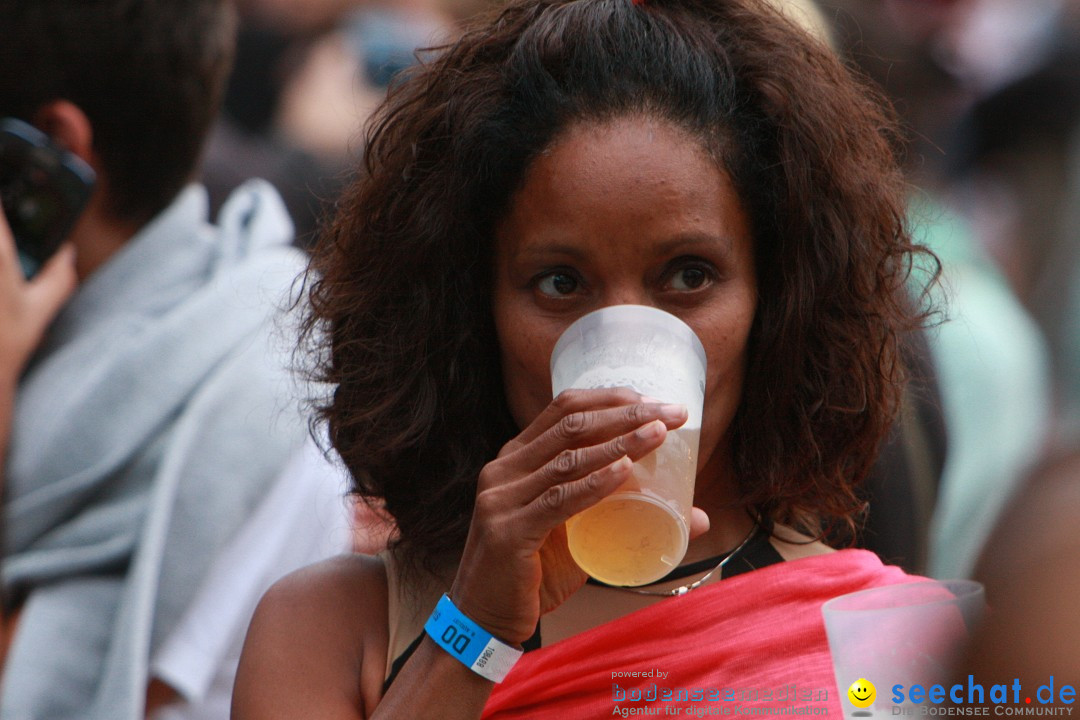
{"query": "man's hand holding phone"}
(28, 306)
(43, 190)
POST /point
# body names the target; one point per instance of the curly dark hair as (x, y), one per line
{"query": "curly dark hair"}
(401, 294)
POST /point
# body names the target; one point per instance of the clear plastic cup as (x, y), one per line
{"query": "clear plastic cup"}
(638, 534)
(907, 634)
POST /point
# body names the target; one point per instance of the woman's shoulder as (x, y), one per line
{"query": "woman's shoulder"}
(316, 628)
(350, 587)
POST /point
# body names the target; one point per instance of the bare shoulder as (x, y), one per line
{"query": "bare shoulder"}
(794, 545)
(316, 646)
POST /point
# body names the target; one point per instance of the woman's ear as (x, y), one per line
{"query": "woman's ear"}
(68, 126)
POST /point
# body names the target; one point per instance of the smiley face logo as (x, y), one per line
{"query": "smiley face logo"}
(862, 693)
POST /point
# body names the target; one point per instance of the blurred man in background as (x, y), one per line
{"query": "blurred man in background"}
(151, 423)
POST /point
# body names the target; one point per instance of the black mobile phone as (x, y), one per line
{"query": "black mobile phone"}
(43, 190)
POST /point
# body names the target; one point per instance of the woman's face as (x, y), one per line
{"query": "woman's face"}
(630, 211)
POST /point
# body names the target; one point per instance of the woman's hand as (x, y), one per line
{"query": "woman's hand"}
(580, 449)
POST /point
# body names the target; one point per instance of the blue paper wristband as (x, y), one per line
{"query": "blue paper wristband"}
(474, 646)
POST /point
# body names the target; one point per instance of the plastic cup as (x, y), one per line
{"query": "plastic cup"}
(907, 634)
(638, 534)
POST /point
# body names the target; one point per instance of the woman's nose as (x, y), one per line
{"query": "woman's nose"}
(627, 295)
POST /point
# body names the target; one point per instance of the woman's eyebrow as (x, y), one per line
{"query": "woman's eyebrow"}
(543, 249)
(695, 239)
(688, 240)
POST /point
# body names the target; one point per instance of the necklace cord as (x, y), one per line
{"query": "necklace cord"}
(683, 589)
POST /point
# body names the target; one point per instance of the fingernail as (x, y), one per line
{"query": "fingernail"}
(674, 411)
(650, 431)
(621, 465)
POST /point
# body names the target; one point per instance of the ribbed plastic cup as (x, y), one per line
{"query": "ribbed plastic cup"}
(903, 635)
(638, 534)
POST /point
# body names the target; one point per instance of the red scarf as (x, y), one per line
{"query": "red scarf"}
(756, 640)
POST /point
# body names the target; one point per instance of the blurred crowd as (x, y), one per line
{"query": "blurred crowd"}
(306, 75)
(990, 93)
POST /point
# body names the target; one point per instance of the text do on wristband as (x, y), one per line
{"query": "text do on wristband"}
(474, 646)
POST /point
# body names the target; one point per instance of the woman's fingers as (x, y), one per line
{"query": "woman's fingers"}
(699, 523)
(577, 452)
(569, 402)
(574, 464)
(512, 521)
(585, 428)
(558, 503)
(568, 467)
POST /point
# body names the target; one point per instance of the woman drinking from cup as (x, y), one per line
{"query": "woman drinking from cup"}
(705, 158)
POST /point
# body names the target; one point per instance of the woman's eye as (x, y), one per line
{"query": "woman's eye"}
(689, 278)
(557, 284)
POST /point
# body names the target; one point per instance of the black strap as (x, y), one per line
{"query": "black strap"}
(758, 553)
